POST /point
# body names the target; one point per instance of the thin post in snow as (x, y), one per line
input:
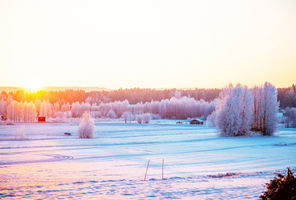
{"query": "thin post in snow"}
(146, 170)
(162, 169)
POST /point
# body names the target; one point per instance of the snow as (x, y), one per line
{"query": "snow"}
(198, 163)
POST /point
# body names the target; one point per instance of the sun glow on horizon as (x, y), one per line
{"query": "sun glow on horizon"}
(34, 85)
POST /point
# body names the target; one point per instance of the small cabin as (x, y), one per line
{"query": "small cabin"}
(41, 119)
(196, 122)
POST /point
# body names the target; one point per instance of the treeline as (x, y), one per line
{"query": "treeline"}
(178, 107)
(134, 95)
(286, 96)
(290, 117)
(145, 104)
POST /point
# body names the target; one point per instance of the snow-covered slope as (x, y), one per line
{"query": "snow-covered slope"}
(198, 164)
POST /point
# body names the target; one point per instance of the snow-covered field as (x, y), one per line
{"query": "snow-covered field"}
(198, 164)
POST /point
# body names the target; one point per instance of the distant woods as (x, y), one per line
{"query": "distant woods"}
(286, 96)
(134, 95)
(237, 110)
(174, 108)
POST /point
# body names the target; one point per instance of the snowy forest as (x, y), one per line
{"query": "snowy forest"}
(233, 110)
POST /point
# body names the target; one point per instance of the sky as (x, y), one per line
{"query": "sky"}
(148, 44)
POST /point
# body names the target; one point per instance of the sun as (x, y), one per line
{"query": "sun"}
(34, 85)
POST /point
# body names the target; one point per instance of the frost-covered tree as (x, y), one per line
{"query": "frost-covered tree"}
(265, 109)
(234, 111)
(46, 109)
(127, 116)
(32, 112)
(37, 105)
(143, 118)
(211, 120)
(66, 107)
(84, 107)
(146, 118)
(227, 114)
(21, 112)
(139, 118)
(56, 108)
(246, 113)
(12, 111)
(111, 114)
(119, 107)
(174, 108)
(3, 107)
(75, 110)
(29, 112)
(78, 109)
(86, 127)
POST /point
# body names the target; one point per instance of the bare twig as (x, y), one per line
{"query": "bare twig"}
(162, 169)
(146, 170)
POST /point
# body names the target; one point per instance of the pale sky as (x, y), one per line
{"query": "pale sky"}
(153, 43)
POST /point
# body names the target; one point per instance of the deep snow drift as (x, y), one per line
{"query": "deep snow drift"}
(199, 164)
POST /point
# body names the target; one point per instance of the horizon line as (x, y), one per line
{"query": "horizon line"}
(127, 88)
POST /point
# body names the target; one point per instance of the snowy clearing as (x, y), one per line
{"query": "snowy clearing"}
(198, 164)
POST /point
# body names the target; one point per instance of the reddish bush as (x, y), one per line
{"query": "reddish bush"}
(282, 187)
